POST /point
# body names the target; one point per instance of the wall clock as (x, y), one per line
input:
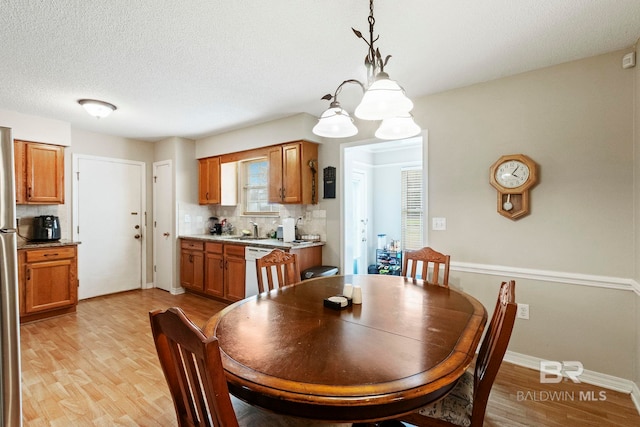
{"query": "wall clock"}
(513, 175)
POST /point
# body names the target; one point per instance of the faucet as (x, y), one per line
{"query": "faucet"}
(255, 228)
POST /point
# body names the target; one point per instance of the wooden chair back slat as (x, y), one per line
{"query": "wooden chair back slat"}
(429, 260)
(285, 266)
(193, 369)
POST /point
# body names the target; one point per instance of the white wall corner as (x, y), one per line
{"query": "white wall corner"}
(177, 291)
(149, 285)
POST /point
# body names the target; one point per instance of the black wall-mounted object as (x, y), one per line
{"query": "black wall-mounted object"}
(329, 182)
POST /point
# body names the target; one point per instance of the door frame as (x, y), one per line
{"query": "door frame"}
(156, 238)
(143, 205)
(344, 178)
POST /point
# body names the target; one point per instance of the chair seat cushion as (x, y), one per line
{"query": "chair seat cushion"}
(455, 407)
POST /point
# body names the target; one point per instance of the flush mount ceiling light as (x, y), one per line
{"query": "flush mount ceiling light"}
(383, 99)
(98, 109)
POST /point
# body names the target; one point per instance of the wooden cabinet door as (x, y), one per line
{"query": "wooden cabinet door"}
(209, 180)
(275, 175)
(214, 270)
(192, 269)
(44, 173)
(49, 285)
(234, 272)
(19, 164)
(291, 173)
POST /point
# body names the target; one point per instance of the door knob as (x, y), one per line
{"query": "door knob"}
(165, 234)
(137, 236)
(136, 227)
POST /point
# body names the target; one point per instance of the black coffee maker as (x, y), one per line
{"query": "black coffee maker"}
(214, 226)
(46, 228)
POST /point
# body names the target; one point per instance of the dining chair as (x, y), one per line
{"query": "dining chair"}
(466, 404)
(193, 369)
(278, 268)
(427, 257)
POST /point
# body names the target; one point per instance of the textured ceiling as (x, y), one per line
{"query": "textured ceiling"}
(193, 68)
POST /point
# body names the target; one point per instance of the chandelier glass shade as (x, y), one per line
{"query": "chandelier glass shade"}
(397, 128)
(384, 99)
(335, 123)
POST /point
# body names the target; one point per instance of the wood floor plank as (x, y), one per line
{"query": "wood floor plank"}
(98, 367)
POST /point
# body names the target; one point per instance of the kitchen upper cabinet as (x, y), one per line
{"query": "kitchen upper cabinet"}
(293, 173)
(209, 180)
(39, 173)
(47, 282)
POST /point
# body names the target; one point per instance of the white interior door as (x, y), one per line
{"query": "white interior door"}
(109, 213)
(163, 229)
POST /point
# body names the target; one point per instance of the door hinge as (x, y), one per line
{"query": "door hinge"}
(155, 179)
(78, 176)
(78, 229)
(155, 270)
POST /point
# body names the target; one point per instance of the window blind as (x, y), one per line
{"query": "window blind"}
(412, 209)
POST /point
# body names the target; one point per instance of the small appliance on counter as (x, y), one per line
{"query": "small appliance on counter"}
(46, 228)
(215, 227)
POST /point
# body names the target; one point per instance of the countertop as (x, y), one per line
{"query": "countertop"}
(22, 244)
(261, 243)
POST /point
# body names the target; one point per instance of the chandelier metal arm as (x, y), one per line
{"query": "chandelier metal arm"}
(334, 97)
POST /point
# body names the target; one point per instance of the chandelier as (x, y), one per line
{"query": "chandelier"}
(383, 99)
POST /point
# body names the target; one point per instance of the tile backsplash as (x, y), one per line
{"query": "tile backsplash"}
(194, 218)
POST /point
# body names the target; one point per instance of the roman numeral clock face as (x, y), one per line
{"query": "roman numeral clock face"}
(513, 175)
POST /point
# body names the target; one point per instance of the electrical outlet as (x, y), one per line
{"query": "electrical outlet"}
(523, 311)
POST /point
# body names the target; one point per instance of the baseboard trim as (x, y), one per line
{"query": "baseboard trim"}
(635, 396)
(618, 283)
(589, 377)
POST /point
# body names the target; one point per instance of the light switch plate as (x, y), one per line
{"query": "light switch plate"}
(439, 224)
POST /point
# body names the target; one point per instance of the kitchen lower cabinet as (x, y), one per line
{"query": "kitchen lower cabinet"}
(213, 269)
(48, 282)
(234, 272)
(192, 264)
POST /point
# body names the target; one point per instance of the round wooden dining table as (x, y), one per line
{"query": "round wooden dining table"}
(403, 347)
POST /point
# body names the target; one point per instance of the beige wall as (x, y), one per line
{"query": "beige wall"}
(576, 121)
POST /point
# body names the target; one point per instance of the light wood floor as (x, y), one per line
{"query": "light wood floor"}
(99, 367)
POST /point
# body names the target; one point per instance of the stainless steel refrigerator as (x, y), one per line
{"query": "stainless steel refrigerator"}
(10, 389)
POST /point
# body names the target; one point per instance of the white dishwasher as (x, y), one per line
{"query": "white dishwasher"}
(251, 254)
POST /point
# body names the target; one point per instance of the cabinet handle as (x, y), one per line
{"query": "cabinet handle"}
(221, 266)
(207, 196)
(190, 257)
(28, 274)
(29, 192)
(56, 254)
(226, 265)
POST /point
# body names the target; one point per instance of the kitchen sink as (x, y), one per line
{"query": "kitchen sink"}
(251, 238)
